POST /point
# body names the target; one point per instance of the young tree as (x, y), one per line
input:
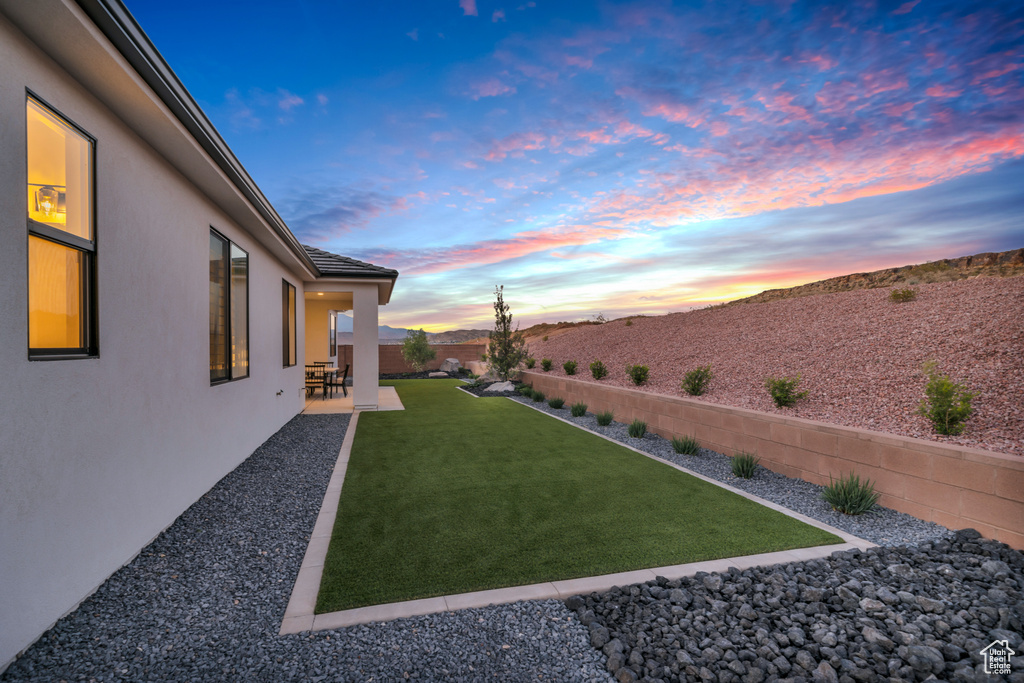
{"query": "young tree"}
(507, 347)
(416, 350)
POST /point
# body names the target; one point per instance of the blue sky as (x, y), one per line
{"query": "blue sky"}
(615, 157)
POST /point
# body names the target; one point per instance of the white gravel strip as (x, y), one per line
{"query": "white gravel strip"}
(859, 355)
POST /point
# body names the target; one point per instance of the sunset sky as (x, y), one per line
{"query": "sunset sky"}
(615, 157)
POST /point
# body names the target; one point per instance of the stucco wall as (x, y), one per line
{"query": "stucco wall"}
(318, 331)
(954, 486)
(391, 360)
(97, 456)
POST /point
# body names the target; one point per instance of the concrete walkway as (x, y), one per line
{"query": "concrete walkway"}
(387, 399)
(299, 615)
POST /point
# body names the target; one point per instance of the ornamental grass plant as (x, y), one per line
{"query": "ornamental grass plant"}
(744, 465)
(850, 495)
(685, 445)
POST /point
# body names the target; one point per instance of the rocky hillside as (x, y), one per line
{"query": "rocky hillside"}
(858, 354)
(992, 264)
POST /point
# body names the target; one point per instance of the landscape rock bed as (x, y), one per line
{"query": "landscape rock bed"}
(859, 355)
(883, 526)
(419, 375)
(204, 601)
(896, 613)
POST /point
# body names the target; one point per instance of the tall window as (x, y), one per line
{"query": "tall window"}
(229, 310)
(288, 322)
(61, 243)
(334, 334)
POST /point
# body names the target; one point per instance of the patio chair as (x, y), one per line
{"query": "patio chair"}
(314, 379)
(337, 379)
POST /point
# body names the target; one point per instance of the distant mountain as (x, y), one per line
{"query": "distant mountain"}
(388, 334)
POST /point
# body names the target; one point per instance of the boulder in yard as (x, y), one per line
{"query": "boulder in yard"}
(501, 386)
(438, 374)
(450, 365)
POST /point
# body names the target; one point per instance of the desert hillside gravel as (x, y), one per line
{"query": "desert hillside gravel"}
(859, 355)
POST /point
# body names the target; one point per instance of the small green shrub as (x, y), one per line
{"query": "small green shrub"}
(544, 338)
(416, 350)
(556, 403)
(525, 390)
(947, 404)
(637, 429)
(537, 396)
(578, 409)
(744, 464)
(903, 295)
(695, 382)
(637, 373)
(530, 362)
(685, 445)
(783, 390)
(629, 323)
(598, 370)
(850, 495)
(545, 364)
(570, 367)
(604, 419)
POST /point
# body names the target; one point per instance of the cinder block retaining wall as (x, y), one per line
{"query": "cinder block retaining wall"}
(954, 486)
(391, 361)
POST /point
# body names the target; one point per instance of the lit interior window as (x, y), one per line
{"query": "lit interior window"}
(59, 178)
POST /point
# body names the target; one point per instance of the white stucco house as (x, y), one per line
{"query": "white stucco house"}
(157, 311)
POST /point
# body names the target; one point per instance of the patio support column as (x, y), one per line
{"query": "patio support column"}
(365, 359)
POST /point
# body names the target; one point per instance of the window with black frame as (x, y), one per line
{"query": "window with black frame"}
(61, 239)
(229, 310)
(334, 335)
(288, 322)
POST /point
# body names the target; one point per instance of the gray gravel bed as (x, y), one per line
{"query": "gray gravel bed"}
(883, 526)
(889, 613)
(205, 600)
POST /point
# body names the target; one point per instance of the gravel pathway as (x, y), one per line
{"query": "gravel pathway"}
(204, 601)
(882, 526)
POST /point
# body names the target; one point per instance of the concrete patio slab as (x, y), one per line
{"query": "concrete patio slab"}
(387, 399)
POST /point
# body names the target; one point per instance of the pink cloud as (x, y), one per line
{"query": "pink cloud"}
(677, 113)
(906, 8)
(942, 91)
(498, 15)
(898, 110)
(515, 145)
(490, 88)
(809, 174)
(822, 62)
(582, 62)
(468, 8)
(719, 128)
(423, 261)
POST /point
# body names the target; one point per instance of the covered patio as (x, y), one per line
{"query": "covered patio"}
(387, 399)
(346, 285)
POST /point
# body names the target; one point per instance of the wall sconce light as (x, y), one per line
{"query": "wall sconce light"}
(50, 200)
(319, 293)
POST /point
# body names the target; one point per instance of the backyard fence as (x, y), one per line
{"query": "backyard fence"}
(952, 485)
(391, 361)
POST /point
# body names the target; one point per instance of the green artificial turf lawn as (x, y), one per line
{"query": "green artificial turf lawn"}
(457, 494)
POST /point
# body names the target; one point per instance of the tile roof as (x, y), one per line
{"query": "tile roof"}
(335, 265)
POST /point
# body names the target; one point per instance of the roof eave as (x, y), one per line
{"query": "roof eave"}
(118, 25)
